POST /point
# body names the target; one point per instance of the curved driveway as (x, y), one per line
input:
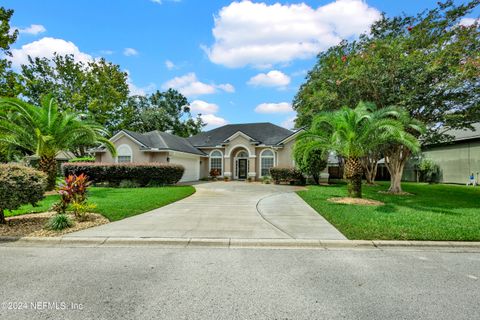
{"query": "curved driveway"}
(226, 210)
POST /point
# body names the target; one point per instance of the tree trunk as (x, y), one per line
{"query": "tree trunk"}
(395, 160)
(2, 217)
(370, 164)
(316, 178)
(353, 174)
(49, 166)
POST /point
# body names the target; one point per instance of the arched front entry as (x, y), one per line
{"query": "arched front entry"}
(240, 163)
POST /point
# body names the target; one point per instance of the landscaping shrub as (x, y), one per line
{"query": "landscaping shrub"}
(59, 222)
(82, 159)
(113, 173)
(429, 171)
(20, 185)
(288, 175)
(73, 190)
(214, 173)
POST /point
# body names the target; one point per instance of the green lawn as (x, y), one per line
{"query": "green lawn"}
(433, 212)
(119, 203)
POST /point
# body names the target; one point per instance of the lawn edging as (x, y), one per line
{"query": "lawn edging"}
(237, 243)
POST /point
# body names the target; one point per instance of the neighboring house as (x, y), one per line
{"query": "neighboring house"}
(238, 151)
(459, 158)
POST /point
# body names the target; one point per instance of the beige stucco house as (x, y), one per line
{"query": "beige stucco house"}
(238, 151)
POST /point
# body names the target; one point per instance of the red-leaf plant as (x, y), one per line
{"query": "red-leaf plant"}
(72, 190)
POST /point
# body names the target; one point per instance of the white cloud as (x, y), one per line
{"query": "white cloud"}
(169, 64)
(282, 107)
(130, 52)
(258, 34)
(213, 121)
(34, 29)
(468, 21)
(203, 107)
(46, 47)
(273, 78)
(289, 123)
(227, 87)
(189, 85)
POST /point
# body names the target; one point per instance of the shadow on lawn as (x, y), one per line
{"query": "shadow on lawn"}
(439, 199)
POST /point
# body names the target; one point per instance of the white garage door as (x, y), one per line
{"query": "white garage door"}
(191, 164)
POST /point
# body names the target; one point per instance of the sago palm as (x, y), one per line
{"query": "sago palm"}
(44, 131)
(353, 133)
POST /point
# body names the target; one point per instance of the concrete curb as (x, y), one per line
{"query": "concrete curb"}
(232, 243)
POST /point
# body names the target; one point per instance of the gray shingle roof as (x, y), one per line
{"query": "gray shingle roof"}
(263, 133)
(460, 135)
(163, 141)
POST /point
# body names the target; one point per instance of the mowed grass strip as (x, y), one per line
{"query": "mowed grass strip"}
(432, 212)
(119, 203)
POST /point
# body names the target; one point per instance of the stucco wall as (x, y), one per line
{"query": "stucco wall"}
(237, 142)
(137, 155)
(285, 155)
(456, 161)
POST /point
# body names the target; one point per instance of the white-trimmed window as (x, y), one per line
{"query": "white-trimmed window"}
(267, 161)
(216, 161)
(124, 154)
(242, 154)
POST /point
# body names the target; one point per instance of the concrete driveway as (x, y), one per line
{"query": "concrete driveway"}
(226, 210)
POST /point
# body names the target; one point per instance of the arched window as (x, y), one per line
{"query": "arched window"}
(242, 154)
(124, 153)
(216, 161)
(267, 161)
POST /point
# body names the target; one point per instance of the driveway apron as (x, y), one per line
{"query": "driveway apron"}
(233, 209)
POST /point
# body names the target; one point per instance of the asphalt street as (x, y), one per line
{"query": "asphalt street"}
(211, 283)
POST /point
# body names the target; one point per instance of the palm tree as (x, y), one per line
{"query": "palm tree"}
(44, 131)
(354, 133)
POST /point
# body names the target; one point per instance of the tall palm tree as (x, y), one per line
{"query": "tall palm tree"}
(354, 133)
(44, 131)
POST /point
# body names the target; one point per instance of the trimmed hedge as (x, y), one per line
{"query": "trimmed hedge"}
(289, 175)
(20, 185)
(114, 173)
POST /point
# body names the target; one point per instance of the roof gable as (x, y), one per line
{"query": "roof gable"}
(263, 133)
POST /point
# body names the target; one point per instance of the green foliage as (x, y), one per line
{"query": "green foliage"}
(116, 203)
(45, 130)
(429, 170)
(59, 222)
(426, 64)
(9, 86)
(289, 175)
(19, 185)
(163, 111)
(430, 212)
(353, 133)
(72, 191)
(82, 159)
(81, 210)
(266, 179)
(310, 159)
(141, 173)
(97, 88)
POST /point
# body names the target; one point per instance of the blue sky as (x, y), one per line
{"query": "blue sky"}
(236, 61)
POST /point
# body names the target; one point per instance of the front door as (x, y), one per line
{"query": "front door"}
(242, 168)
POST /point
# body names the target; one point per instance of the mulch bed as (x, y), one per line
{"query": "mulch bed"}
(33, 225)
(357, 201)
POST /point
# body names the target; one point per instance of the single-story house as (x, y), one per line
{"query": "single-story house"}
(459, 158)
(237, 151)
